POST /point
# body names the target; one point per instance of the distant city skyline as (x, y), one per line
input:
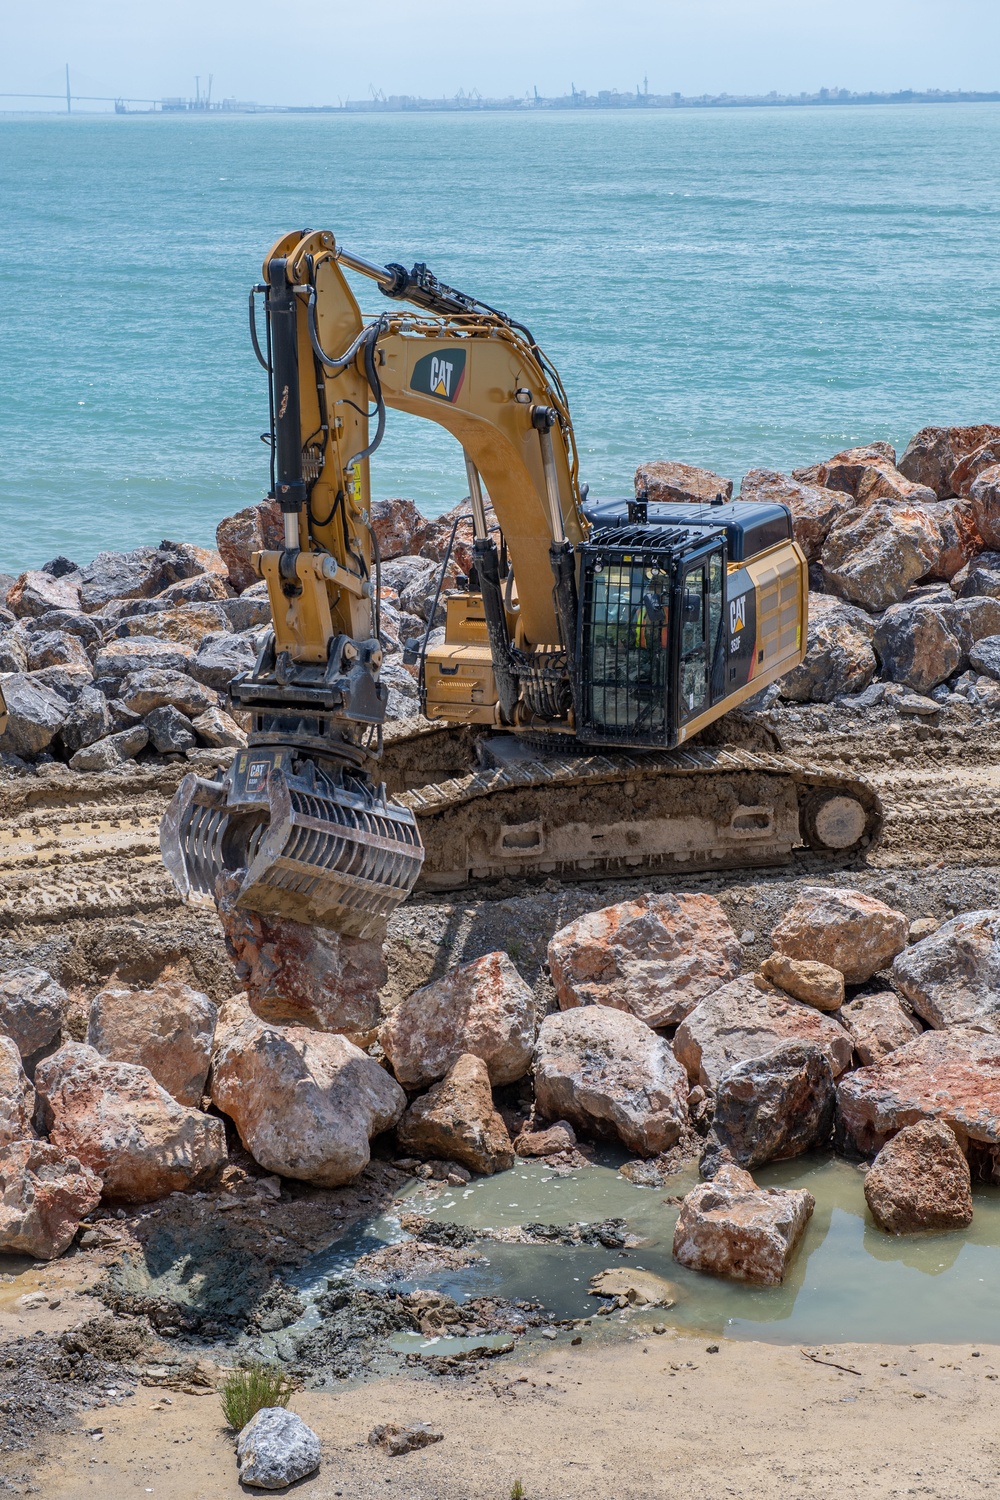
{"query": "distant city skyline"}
(693, 47)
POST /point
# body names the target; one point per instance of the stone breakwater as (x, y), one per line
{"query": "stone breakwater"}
(860, 1031)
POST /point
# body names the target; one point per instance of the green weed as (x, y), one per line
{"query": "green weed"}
(247, 1390)
(517, 1490)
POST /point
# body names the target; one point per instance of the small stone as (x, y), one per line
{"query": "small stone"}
(916, 703)
(985, 656)
(397, 1440)
(275, 1449)
(813, 983)
(921, 928)
(559, 1136)
(637, 1288)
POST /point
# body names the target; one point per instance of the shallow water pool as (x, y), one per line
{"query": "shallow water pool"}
(849, 1281)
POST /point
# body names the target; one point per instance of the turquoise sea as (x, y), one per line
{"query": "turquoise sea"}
(730, 287)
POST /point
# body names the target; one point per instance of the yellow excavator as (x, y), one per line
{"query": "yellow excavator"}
(589, 644)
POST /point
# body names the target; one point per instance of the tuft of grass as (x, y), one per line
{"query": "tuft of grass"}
(517, 1490)
(247, 1390)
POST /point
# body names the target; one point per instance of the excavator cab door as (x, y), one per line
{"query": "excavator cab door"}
(700, 591)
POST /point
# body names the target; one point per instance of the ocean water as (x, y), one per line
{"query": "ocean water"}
(730, 287)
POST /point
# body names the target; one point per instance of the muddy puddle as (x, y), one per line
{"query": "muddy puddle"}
(849, 1281)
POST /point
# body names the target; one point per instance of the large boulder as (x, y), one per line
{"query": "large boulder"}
(89, 720)
(980, 578)
(850, 931)
(399, 526)
(739, 1022)
(17, 1097)
(732, 1228)
(203, 588)
(656, 956)
(218, 729)
(952, 977)
(968, 469)
(221, 657)
(305, 1103)
(119, 1122)
(839, 655)
(957, 521)
(35, 715)
(118, 659)
(298, 975)
(258, 528)
(920, 1180)
(43, 1196)
(55, 648)
(456, 1121)
(170, 731)
(874, 554)
(32, 1007)
(113, 751)
(919, 643)
(14, 644)
(773, 1107)
(868, 474)
(168, 1029)
(879, 1024)
(158, 687)
(187, 624)
(814, 509)
(37, 593)
(275, 1449)
(666, 479)
(951, 1075)
(483, 1007)
(138, 574)
(985, 496)
(609, 1074)
(934, 452)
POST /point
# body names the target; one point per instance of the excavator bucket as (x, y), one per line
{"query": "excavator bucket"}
(334, 856)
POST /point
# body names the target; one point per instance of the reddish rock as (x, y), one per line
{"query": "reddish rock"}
(43, 1196)
(739, 1022)
(772, 1107)
(920, 643)
(732, 1228)
(920, 1180)
(839, 654)
(985, 496)
(814, 509)
(483, 1007)
(933, 454)
(952, 976)
(258, 528)
(305, 1103)
(168, 1029)
(456, 1121)
(560, 1136)
(17, 1097)
(878, 1024)
(667, 480)
(188, 624)
(121, 1124)
(297, 975)
(36, 593)
(55, 648)
(957, 521)
(969, 468)
(804, 979)
(846, 929)
(399, 526)
(656, 956)
(868, 474)
(874, 554)
(608, 1074)
(951, 1075)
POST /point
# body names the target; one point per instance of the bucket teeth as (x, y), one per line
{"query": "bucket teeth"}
(312, 853)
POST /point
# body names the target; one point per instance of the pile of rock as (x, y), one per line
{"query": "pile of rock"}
(131, 655)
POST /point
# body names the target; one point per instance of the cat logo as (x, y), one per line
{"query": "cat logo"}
(737, 614)
(439, 375)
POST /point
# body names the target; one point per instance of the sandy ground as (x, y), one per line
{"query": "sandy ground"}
(647, 1419)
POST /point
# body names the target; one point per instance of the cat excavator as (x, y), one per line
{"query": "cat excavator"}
(585, 653)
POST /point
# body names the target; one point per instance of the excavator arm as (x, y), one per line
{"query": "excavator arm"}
(298, 814)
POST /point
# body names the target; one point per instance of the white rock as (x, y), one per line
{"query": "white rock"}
(275, 1449)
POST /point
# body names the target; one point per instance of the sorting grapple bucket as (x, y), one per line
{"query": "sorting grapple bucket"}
(328, 851)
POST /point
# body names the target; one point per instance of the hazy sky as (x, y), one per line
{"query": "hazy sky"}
(319, 52)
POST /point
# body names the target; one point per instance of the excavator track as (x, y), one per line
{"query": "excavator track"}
(604, 816)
